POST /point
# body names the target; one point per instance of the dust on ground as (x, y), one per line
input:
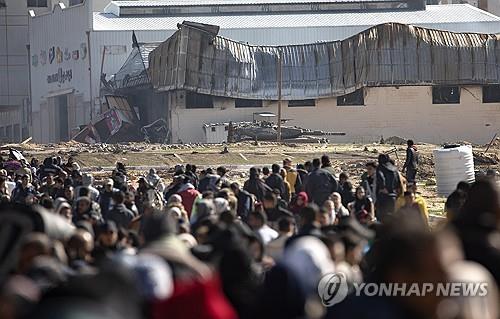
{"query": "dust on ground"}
(351, 158)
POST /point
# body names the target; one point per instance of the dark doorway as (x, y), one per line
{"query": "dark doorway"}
(62, 110)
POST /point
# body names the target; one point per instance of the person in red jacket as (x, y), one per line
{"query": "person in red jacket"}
(188, 194)
(199, 299)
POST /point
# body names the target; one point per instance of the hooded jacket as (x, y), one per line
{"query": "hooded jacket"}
(256, 186)
(48, 167)
(320, 185)
(387, 176)
(188, 194)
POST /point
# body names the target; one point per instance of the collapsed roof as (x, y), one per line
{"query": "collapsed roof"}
(133, 73)
(196, 59)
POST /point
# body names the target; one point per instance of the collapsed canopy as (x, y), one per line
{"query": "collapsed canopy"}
(196, 59)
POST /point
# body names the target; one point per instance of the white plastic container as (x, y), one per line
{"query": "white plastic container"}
(451, 166)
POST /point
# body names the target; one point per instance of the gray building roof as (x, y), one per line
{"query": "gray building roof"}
(161, 3)
(258, 7)
(462, 15)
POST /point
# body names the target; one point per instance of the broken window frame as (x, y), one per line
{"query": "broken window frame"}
(37, 3)
(302, 103)
(245, 103)
(356, 98)
(199, 101)
(491, 93)
(443, 94)
(75, 2)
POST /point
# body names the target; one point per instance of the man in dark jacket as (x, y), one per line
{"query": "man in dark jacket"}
(368, 180)
(255, 185)
(275, 181)
(245, 201)
(411, 162)
(210, 182)
(326, 164)
(320, 184)
(23, 190)
(191, 174)
(387, 183)
(303, 174)
(49, 167)
(273, 210)
(105, 197)
(120, 214)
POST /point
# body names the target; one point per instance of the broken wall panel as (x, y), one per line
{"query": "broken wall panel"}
(491, 69)
(389, 54)
(410, 57)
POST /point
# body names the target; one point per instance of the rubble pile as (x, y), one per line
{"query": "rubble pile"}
(426, 166)
(495, 145)
(395, 140)
(485, 158)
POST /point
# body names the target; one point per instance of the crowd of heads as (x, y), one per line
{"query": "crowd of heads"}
(199, 244)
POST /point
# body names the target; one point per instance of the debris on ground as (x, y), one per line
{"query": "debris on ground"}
(156, 132)
(395, 140)
(495, 144)
(485, 159)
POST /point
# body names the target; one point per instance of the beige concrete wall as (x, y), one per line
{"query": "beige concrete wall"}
(406, 111)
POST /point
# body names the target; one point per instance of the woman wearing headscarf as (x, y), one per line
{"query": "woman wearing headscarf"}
(299, 202)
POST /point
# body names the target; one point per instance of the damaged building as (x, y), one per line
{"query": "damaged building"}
(391, 79)
(76, 50)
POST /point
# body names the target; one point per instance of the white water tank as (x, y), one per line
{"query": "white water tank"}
(451, 166)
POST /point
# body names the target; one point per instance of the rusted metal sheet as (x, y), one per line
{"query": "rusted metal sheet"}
(389, 54)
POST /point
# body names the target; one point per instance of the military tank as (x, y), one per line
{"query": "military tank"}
(268, 131)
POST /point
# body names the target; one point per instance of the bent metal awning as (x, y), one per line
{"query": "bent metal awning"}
(196, 59)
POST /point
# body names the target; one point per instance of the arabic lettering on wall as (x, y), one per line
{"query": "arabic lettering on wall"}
(61, 76)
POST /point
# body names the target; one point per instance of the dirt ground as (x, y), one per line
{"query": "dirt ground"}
(350, 158)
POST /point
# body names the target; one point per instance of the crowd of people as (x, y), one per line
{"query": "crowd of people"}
(205, 246)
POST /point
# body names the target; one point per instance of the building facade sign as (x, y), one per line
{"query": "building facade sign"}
(57, 55)
(61, 76)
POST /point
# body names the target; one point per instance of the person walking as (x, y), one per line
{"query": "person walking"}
(320, 184)
(292, 177)
(387, 183)
(410, 166)
(275, 181)
(120, 214)
(255, 185)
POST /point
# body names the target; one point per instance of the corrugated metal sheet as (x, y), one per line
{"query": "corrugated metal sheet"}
(388, 54)
(447, 17)
(146, 49)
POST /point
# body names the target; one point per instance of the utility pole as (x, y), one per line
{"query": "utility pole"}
(280, 79)
(91, 95)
